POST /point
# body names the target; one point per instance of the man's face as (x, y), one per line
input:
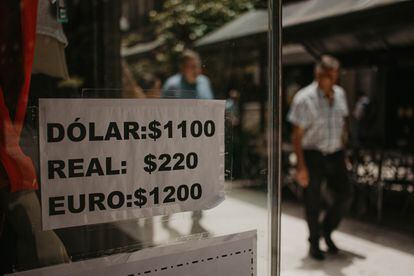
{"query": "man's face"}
(327, 78)
(191, 69)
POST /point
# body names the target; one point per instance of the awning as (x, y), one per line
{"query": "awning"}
(250, 23)
(256, 22)
(141, 48)
(293, 54)
(307, 11)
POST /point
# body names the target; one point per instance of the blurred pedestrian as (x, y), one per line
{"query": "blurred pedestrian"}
(363, 120)
(233, 145)
(189, 83)
(233, 108)
(318, 114)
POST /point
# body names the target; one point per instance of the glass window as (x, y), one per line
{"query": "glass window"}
(61, 57)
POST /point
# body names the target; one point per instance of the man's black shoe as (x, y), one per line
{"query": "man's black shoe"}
(316, 253)
(332, 249)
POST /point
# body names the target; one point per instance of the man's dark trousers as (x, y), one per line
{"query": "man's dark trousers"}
(332, 168)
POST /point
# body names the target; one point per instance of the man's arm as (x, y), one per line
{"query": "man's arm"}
(302, 175)
(170, 87)
(204, 89)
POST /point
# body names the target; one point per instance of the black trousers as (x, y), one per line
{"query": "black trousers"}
(331, 168)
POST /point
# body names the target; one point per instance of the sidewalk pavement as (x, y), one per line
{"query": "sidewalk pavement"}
(366, 249)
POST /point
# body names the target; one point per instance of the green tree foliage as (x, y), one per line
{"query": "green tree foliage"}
(182, 22)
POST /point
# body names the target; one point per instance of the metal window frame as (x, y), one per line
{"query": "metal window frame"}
(274, 132)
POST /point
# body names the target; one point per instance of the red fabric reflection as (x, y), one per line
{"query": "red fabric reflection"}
(17, 40)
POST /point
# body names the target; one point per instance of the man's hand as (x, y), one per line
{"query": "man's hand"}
(302, 177)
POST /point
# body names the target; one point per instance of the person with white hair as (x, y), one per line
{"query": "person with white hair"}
(318, 114)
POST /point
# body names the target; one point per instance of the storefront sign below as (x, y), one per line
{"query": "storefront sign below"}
(104, 160)
(231, 255)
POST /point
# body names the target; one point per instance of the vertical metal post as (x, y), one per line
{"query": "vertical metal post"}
(274, 132)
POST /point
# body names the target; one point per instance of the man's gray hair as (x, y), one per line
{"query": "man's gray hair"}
(327, 62)
(188, 55)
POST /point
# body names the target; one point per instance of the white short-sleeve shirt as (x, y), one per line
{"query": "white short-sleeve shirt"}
(322, 122)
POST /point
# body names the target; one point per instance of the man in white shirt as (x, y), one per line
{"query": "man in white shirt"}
(318, 114)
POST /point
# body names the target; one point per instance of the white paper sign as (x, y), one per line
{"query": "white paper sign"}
(231, 255)
(105, 160)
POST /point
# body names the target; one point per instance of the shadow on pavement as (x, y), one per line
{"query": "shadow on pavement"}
(333, 265)
(378, 234)
(371, 232)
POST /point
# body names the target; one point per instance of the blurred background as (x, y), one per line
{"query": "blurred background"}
(128, 48)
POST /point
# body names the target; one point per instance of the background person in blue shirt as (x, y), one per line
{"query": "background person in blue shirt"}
(189, 83)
